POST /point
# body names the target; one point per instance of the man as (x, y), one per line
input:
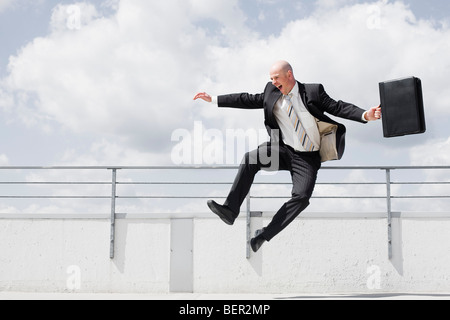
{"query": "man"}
(302, 137)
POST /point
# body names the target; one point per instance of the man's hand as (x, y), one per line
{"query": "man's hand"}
(203, 96)
(373, 114)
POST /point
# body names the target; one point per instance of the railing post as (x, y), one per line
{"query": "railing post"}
(249, 229)
(113, 213)
(389, 211)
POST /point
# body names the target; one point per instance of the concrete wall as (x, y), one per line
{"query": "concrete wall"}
(318, 253)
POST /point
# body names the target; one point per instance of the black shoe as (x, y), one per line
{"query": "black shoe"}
(257, 241)
(223, 212)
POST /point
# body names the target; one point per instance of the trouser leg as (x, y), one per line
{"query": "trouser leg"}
(304, 168)
(266, 157)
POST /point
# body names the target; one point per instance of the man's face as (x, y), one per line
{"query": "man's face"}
(283, 80)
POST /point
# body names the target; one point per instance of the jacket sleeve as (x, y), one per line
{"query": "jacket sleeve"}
(339, 108)
(241, 101)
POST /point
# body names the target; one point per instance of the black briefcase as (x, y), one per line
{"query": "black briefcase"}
(402, 107)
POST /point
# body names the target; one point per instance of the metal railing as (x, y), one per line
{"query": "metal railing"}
(113, 182)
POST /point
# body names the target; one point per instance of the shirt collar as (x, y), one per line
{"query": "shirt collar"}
(295, 91)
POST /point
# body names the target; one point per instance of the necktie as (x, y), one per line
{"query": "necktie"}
(298, 127)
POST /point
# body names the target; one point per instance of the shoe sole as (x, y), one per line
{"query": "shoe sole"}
(220, 215)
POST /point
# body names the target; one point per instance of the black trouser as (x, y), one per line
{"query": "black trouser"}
(303, 167)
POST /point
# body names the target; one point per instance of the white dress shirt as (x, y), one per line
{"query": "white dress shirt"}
(290, 137)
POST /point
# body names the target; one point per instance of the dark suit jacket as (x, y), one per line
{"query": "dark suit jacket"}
(314, 97)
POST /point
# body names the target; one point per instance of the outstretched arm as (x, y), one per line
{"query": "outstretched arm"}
(347, 110)
(236, 100)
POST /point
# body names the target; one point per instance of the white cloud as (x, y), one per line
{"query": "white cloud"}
(228, 13)
(434, 153)
(130, 75)
(106, 153)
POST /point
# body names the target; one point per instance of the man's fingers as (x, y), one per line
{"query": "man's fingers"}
(378, 113)
(374, 114)
(201, 95)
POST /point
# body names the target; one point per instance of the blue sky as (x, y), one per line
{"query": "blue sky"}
(104, 92)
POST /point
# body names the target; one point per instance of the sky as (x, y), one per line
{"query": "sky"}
(111, 82)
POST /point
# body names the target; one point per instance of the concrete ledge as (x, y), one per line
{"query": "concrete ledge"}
(316, 254)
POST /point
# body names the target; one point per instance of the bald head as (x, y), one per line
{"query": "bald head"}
(282, 66)
(282, 76)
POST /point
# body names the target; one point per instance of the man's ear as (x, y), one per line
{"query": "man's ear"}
(290, 74)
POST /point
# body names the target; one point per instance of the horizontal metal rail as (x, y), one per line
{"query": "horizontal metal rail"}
(114, 183)
(212, 183)
(55, 197)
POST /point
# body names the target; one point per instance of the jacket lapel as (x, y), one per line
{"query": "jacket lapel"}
(274, 96)
(312, 109)
(303, 95)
